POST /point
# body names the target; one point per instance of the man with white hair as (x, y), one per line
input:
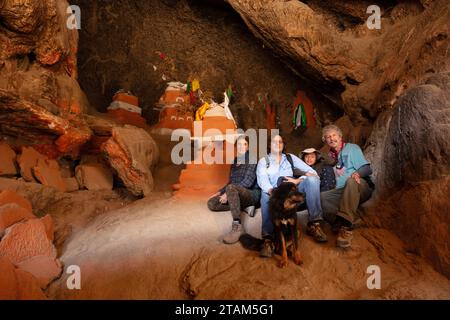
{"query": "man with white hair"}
(353, 184)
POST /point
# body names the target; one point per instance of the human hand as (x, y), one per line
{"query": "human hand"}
(357, 177)
(223, 199)
(270, 191)
(294, 181)
(311, 174)
(214, 195)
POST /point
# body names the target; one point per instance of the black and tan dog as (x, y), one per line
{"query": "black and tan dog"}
(283, 205)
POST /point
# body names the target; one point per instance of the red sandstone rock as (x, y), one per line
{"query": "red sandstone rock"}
(17, 284)
(94, 177)
(27, 161)
(28, 286)
(25, 240)
(34, 122)
(8, 283)
(7, 160)
(71, 184)
(8, 196)
(44, 268)
(47, 172)
(12, 213)
(49, 228)
(131, 152)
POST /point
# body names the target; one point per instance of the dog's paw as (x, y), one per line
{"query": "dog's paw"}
(298, 259)
(282, 263)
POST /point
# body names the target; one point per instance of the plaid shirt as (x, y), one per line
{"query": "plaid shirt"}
(242, 174)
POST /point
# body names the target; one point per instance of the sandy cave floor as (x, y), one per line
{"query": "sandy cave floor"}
(170, 248)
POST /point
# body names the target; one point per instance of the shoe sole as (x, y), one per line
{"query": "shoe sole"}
(230, 242)
(343, 246)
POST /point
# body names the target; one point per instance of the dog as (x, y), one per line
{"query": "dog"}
(283, 205)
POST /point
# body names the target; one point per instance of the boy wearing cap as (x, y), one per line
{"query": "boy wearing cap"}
(314, 159)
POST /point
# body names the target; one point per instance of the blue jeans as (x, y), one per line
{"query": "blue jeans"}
(311, 188)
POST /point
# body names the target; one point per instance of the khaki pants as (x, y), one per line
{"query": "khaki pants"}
(344, 202)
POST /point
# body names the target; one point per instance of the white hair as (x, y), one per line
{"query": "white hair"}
(328, 128)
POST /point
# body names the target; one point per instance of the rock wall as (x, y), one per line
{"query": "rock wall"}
(329, 45)
(410, 152)
(395, 78)
(121, 42)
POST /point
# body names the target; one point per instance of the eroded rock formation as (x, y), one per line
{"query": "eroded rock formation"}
(395, 77)
(392, 83)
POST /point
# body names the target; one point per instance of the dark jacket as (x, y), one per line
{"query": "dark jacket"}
(326, 175)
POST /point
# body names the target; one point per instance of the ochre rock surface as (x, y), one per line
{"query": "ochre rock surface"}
(25, 240)
(16, 284)
(132, 152)
(12, 213)
(7, 160)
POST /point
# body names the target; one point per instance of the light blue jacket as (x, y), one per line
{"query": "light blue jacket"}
(267, 177)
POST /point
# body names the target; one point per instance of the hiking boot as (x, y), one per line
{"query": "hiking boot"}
(250, 211)
(336, 226)
(233, 236)
(315, 231)
(267, 249)
(344, 240)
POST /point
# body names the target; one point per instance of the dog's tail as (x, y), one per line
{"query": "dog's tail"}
(251, 243)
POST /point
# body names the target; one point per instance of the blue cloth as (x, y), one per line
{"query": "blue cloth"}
(268, 177)
(352, 158)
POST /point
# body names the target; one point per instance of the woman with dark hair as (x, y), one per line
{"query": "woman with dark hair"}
(240, 192)
(277, 165)
(314, 159)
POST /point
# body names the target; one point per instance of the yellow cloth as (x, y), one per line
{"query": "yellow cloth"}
(195, 85)
(201, 111)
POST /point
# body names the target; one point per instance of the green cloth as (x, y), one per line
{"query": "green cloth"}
(189, 87)
(303, 121)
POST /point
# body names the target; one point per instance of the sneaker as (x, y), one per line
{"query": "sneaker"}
(344, 240)
(267, 249)
(315, 231)
(233, 236)
(250, 211)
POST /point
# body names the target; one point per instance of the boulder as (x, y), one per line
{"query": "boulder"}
(8, 196)
(94, 177)
(7, 160)
(47, 172)
(131, 152)
(28, 287)
(12, 213)
(49, 226)
(8, 281)
(27, 161)
(44, 268)
(33, 122)
(16, 284)
(25, 240)
(71, 184)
